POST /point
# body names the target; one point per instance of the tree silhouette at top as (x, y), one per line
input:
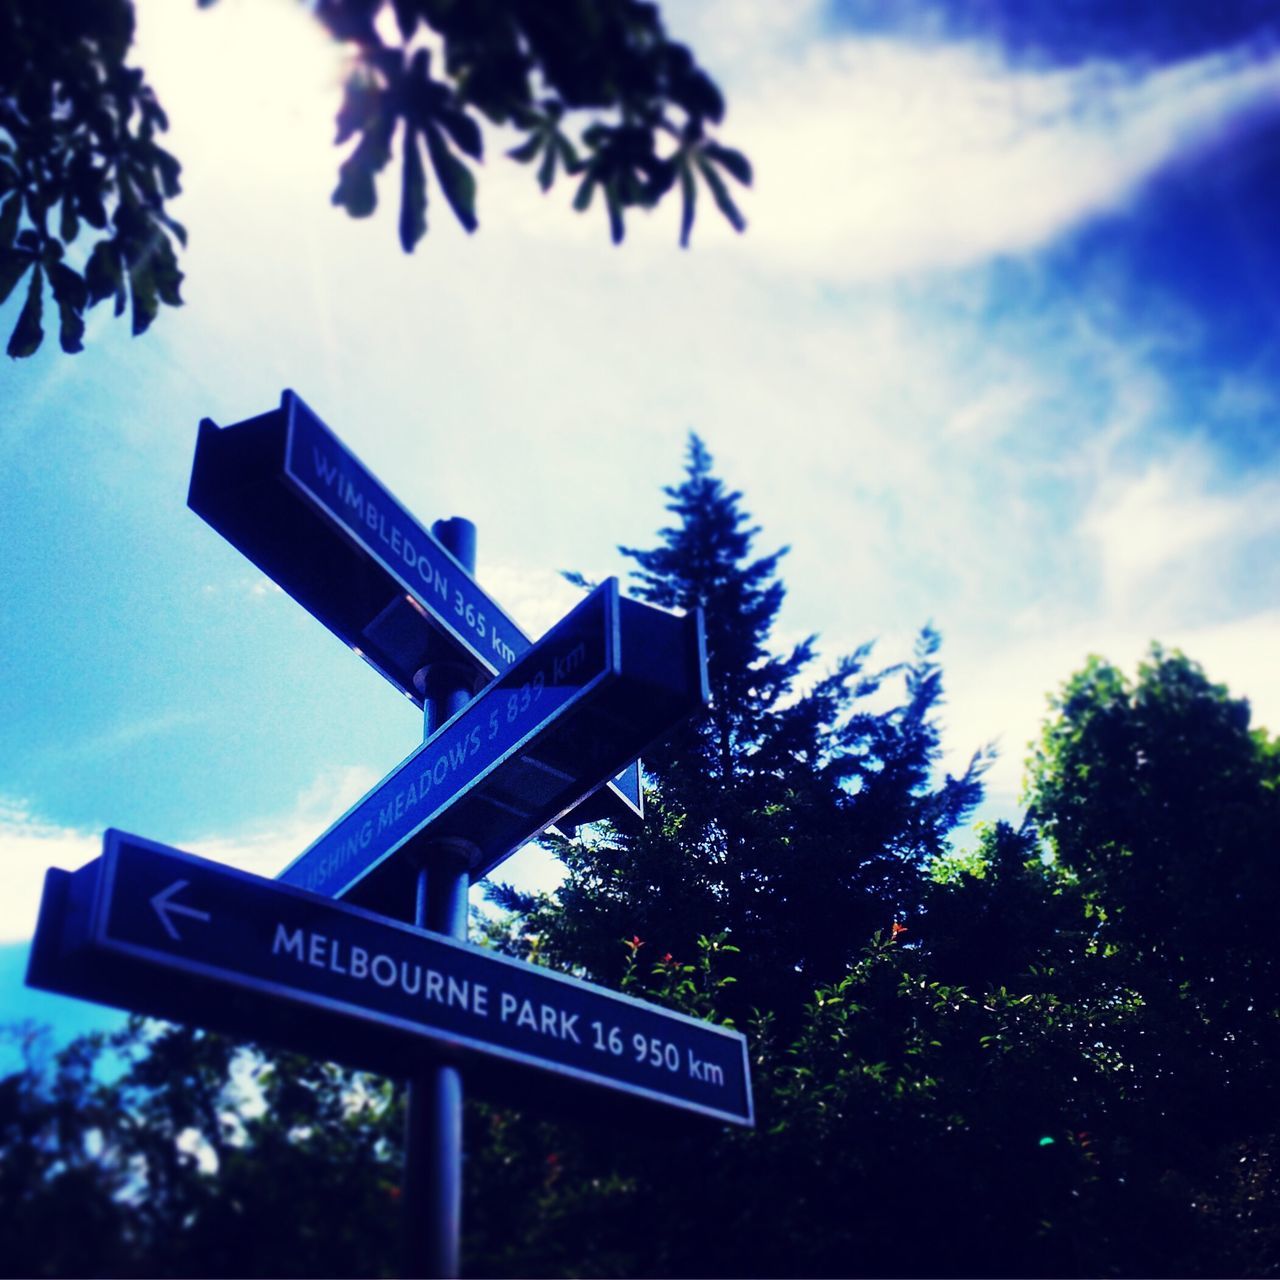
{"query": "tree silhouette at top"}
(591, 89)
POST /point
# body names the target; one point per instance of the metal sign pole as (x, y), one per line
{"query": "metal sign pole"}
(433, 1121)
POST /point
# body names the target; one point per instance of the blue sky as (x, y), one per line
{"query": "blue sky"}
(998, 350)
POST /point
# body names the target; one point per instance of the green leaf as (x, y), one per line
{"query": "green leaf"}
(102, 273)
(733, 162)
(688, 203)
(614, 205)
(28, 333)
(71, 295)
(586, 189)
(456, 180)
(174, 225)
(146, 298)
(355, 188)
(13, 266)
(547, 169)
(165, 271)
(720, 193)
(167, 170)
(528, 149)
(68, 223)
(10, 211)
(568, 153)
(464, 131)
(413, 193)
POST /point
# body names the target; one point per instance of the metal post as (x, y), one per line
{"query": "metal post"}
(433, 1122)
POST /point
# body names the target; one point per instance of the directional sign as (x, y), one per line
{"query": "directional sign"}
(152, 929)
(597, 688)
(284, 491)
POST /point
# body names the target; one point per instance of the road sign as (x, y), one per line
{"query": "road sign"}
(599, 686)
(149, 928)
(284, 491)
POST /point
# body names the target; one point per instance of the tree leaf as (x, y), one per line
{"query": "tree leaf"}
(10, 211)
(456, 180)
(68, 223)
(356, 190)
(71, 295)
(413, 193)
(102, 273)
(586, 189)
(568, 153)
(463, 130)
(613, 203)
(688, 203)
(547, 169)
(165, 270)
(145, 296)
(528, 149)
(13, 266)
(731, 161)
(28, 333)
(720, 193)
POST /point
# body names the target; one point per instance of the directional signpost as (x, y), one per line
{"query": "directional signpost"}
(536, 741)
(519, 736)
(283, 490)
(148, 928)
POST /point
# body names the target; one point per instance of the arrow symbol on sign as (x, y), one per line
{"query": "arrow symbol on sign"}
(164, 908)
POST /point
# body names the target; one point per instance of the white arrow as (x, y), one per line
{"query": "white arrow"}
(164, 908)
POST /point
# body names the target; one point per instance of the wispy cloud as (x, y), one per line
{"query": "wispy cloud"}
(1170, 527)
(880, 157)
(30, 844)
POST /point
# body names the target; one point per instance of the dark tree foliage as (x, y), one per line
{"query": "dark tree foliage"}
(795, 819)
(1064, 1066)
(166, 1151)
(1156, 796)
(594, 87)
(78, 149)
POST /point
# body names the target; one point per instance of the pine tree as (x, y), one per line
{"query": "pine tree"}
(790, 816)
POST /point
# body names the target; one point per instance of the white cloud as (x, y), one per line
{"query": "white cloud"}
(29, 846)
(1001, 691)
(878, 157)
(266, 847)
(1170, 526)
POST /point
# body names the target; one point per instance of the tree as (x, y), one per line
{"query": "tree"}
(1156, 795)
(795, 820)
(1041, 1076)
(79, 129)
(168, 1151)
(1159, 798)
